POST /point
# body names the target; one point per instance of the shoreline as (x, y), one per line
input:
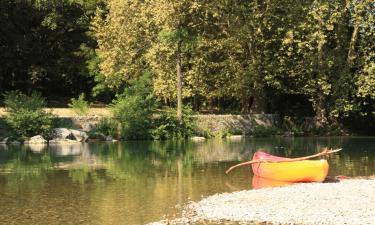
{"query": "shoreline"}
(347, 202)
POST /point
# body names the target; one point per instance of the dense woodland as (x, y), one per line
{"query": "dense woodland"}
(291, 57)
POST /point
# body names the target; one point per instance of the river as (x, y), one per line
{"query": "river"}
(141, 182)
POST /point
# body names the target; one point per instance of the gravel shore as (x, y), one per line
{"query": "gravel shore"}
(347, 202)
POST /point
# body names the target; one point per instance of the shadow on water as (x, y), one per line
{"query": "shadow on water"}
(140, 182)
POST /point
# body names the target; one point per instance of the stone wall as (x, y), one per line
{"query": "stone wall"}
(211, 123)
(236, 123)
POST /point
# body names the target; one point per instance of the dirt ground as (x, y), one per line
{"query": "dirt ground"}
(66, 112)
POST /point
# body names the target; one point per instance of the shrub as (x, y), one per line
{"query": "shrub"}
(133, 109)
(262, 131)
(107, 127)
(25, 114)
(79, 105)
(297, 132)
(167, 126)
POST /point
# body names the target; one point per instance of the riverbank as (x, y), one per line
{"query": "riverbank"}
(347, 202)
(205, 126)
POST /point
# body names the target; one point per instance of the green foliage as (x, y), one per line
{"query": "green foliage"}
(248, 53)
(297, 132)
(107, 127)
(133, 109)
(40, 45)
(25, 114)
(223, 133)
(167, 126)
(79, 105)
(263, 131)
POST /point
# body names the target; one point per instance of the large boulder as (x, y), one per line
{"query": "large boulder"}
(38, 139)
(62, 133)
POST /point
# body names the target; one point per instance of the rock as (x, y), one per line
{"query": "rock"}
(80, 136)
(197, 139)
(4, 141)
(38, 139)
(87, 127)
(108, 138)
(62, 133)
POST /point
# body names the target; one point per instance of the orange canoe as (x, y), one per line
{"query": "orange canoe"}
(297, 171)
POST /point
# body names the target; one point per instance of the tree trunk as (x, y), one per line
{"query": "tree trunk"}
(353, 40)
(320, 112)
(258, 103)
(179, 82)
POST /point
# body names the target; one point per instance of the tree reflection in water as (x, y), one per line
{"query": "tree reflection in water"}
(138, 182)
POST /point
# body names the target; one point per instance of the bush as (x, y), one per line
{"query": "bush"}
(167, 126)
(133, 109)
(25, 114)
(107, 127)
(79, 105)
(262, 131)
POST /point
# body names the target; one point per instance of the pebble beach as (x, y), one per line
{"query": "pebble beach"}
(348, 202)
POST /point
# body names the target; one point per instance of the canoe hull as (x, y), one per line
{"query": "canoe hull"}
(299, 171)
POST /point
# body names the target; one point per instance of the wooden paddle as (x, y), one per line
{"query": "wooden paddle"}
(323, 153)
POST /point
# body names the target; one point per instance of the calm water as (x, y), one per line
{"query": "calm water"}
(141, 182)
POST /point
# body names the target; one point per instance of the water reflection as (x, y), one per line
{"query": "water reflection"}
(260, 182)
(139, 182)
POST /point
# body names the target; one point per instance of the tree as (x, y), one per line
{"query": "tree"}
(41, 45)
